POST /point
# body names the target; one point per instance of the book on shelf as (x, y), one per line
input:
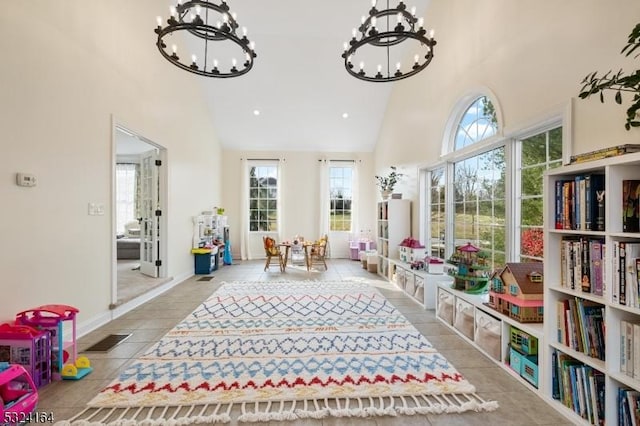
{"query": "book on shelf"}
(630, 205)
(579, 387)
(628, 407)
(599, 154)
(581, 264)
(579, 203)
(580, 326)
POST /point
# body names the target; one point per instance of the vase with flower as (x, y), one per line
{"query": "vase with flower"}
(388, 182)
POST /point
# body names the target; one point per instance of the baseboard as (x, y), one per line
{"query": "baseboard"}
(91, 324)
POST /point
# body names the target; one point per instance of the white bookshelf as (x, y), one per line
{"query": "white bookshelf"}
(615, 170)
(393, 226)
(417, 284)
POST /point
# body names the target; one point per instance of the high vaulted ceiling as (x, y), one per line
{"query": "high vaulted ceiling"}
(298, 82)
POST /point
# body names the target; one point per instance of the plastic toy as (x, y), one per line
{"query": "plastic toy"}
(65, 361)
(517, 291)
(471, 274)
(18, 394)
(29, 347)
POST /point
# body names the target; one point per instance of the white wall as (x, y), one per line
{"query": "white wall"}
(301, 205)
(531, 54)
(68, 68)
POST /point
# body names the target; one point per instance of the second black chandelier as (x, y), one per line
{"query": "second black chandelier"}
(385, 29)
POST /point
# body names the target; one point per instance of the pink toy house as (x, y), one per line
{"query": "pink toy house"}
(29, 347)
(517, 291)
(18, 394)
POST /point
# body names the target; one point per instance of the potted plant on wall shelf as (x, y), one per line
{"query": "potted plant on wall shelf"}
(388, 182)
(618, 82)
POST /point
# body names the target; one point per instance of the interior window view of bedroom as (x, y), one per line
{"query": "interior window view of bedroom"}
(285, 212)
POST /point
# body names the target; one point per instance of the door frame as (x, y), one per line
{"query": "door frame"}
(163, 191)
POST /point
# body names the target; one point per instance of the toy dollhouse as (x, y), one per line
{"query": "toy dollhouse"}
(517, 291)
(29, 347)
(470, 274)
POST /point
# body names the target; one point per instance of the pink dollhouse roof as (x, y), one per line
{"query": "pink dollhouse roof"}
(468, 248)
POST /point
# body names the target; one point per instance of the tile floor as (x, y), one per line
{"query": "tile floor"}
(147, 323)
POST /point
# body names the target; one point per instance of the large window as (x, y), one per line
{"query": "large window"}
(467, 195)
(263, 198)
(436, 208)
(479, 203)
(538, 153)
(340, 196)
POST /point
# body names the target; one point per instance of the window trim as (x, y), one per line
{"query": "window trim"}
(263, 163)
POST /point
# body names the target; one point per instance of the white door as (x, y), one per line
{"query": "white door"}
(151, 214)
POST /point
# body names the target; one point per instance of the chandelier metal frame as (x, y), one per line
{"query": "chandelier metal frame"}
(206, 32)
(371, 35)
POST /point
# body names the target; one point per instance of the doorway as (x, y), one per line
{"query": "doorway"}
(139, 216)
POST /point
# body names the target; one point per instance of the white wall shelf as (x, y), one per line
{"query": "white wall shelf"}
(615, 170)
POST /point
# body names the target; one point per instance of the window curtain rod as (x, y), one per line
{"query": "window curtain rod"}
(339, 161)
(264, 159)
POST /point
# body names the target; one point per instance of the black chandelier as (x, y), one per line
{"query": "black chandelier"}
(381, 31)
(211, 28)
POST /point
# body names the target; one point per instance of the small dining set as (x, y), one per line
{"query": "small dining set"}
(296, 252)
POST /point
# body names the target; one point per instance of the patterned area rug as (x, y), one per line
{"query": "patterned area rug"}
(285, 351)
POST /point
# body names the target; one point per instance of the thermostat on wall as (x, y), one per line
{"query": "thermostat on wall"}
(25, 179)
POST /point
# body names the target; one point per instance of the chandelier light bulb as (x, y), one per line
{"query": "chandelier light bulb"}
(252, 45)
(180, 1)
(225, 18)
(345, 45)
(174, 48)
(399, 17)
(374, 21)
(416, 58)
(215, 63)
(234, 16)
(363, 19)
(354, 32)
(361, 66)
(159, 20)
(373, 3)
(398, 66)
(244, 31)
(173, 11)
(379, 68)
(247, 57)
(421, 22)
(194, 58)
(218, 24)
(413, 11)
(198, 9)
(432, 32)
(349, 58)
(234, 62)
(192, 16)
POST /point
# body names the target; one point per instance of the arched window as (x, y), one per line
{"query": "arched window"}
(478, 122)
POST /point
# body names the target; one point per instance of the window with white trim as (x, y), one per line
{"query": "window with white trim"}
(263, 198)
(340, 197)
(490, 193)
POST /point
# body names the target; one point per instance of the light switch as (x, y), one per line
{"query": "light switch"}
(25, 179)
(96, 209)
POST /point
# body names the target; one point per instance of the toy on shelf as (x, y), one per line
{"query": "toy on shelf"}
(517, 291)
(29, 347)
(18, 394)
(470, 273)
(411, 250)
(65, 361)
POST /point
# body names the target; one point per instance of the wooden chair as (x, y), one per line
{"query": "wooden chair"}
(318, 252)
(271, 249)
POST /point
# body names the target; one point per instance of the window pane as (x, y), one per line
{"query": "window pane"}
(531, 242)
(555, 144)
(534, 150)
(531, 211)
(477, 123)
(532, 180)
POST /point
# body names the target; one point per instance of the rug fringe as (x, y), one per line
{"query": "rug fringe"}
(364, 407)
(151, 416)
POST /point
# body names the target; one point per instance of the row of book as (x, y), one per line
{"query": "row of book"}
(628, 407)
(626, 273)
(630, 348)
(579, 203)
(582, 264)
(579, 387)
(580, 326)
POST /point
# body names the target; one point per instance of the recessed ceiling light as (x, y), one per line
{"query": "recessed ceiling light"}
(256, 112)
(345, 115)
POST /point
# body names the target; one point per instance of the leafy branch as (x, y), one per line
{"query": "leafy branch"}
(618, 82)
(387, 183)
